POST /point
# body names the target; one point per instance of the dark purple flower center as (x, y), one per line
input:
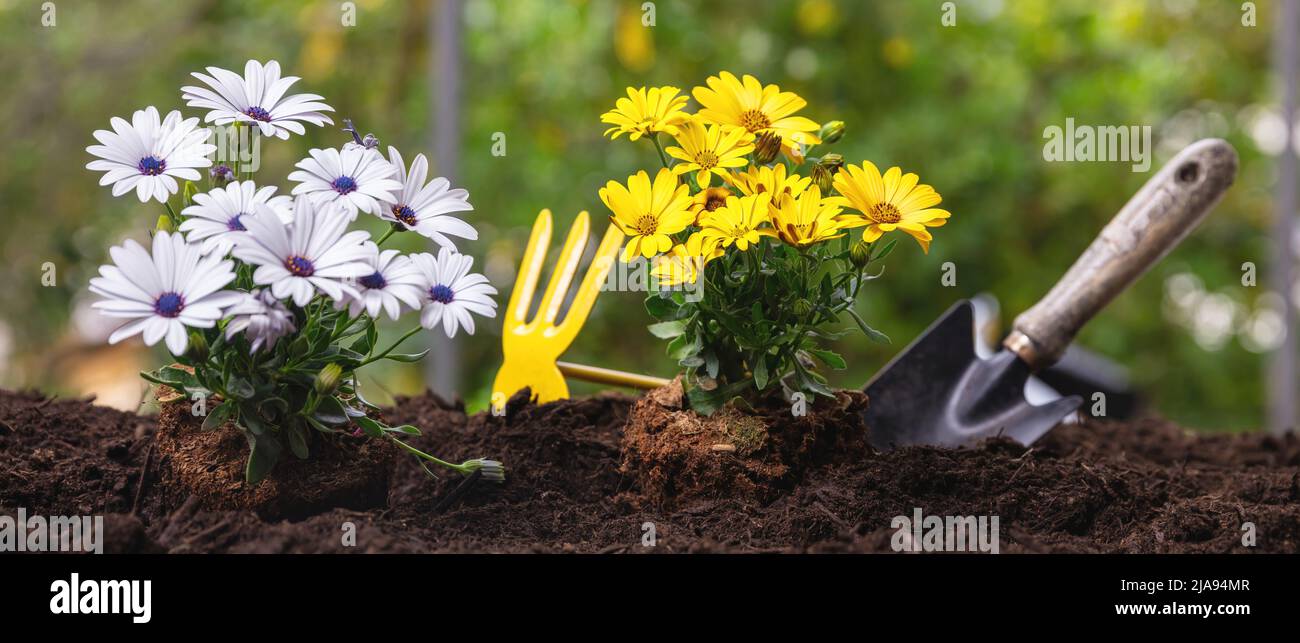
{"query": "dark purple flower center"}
(222, 172)
(441, 294)
(258, 114)
(169, 304)
(299, 266)
(152, 165)
(405, 214)
(374, 281)
(344, 184)
(234, 224)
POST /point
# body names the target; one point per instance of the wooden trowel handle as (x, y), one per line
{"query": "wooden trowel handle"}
(1167, 208)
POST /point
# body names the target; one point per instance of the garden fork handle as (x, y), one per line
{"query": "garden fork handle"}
(1168, 207)
(598, 375)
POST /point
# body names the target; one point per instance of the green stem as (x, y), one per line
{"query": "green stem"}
(171, 214)
(463, 470)
(384, 237)
(663, 158)
(391, 348)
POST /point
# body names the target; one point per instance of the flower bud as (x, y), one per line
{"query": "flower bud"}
(832, 131)
(767, 147)
(198, 347)
(802, 307)
(822, 178)
(493, 471)
(860, 253)
(833, 162)
(328, 378)
(164, 224)
(221, 175)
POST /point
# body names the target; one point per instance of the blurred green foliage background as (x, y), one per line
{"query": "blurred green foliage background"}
(964, 106)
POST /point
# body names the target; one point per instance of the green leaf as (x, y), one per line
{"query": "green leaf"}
(708, 402)
(315, 424)
(871, 333)
(810, 381)
(760, 372)
(264, 452)
(830, 358)
(884, 252)
(219, 415)
(186, 378)
(273, 407)
(684, 346)
(249, 419)
(660, 307)
(340, 325)
(371, 427)
(372, 334)
(330, 411)
(404, 429)
(407, 357)
(239, 388)
(668, 329)
(693, 361)
(297, 440)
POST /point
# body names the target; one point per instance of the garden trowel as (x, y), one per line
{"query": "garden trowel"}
(939, 392)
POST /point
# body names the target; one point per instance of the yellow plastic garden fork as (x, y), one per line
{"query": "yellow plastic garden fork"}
(532, 348)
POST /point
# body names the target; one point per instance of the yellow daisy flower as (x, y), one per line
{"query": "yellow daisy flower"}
(686, 260)
(738, 222)
(887, 203)
(761, 179)
(648, 212)
(645, 112)
(757, 108)
(709, 150)
(806, 219)
(708, 200)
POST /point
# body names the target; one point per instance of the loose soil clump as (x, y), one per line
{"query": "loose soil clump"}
(1143, 486)
(342, 471)
(674, 455)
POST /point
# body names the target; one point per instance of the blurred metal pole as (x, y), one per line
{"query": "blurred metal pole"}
(1282, 381)
(443, 371)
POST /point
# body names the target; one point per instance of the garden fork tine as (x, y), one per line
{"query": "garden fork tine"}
(531, 348)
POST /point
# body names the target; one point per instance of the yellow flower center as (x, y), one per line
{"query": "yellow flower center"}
(706, 159)
(647, 225)
(754, 120)
(885, 213)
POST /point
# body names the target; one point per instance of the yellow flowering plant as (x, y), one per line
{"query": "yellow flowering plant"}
(752, 239)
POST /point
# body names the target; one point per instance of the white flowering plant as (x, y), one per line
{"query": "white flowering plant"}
(268, 303)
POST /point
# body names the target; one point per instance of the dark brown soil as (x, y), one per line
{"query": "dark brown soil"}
(343, 471)
(674, 456)
(1145, 486)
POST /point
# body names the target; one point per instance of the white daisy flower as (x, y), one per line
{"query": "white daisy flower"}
(262, 319)
(217, 214)
(423, 208)
(452, 292)
(177, 286)
(357, 179)
(313, 253)
(149, 155)
(258, 98)
(393, 281)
